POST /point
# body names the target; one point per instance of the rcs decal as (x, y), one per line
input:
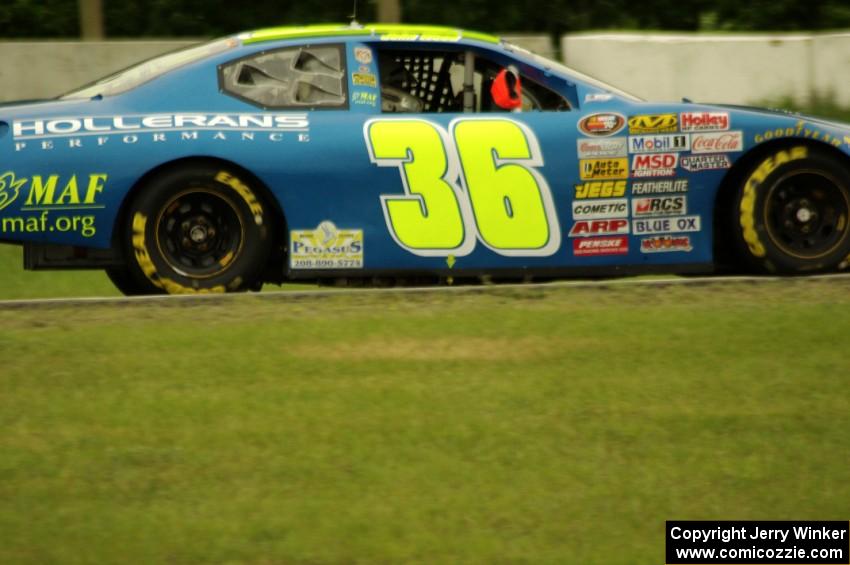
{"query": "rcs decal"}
(478, 180)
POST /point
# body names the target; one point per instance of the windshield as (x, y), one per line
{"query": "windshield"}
(149, 70)
(563, 69)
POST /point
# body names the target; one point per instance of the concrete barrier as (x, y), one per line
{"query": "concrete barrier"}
(735, 69)
(46, 69)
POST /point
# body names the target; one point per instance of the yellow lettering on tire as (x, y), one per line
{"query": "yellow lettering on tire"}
(430, 219)
(504, 200)
(747, 207)
(512, 203)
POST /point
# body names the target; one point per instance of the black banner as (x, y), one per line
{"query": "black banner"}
(762, 543)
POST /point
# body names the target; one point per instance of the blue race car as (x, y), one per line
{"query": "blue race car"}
(406, 153)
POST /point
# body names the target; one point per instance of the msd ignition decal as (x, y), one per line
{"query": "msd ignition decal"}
(97, 131)
(666, 244)
(659, 206)
(326, 247)
(600, 189)
(601, 246)
(648, 187)
(602, 125)
(696, 163)
(703, 121)
(655, 165)
(717, 142)
(601, 209)
(600, 227)
(591, 169)
(51, 203)
(666, 225)
(601, 147)
(658, 143)
(658, 123)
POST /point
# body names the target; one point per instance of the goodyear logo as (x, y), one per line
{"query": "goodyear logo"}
(591, 169)
(654, 123)
(600, 189)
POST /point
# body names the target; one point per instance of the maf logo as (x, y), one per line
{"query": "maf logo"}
(655, 123)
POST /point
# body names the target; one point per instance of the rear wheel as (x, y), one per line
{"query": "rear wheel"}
(793, 212)
(197, 229)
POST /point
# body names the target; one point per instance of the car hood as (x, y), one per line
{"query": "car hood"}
(785, 114)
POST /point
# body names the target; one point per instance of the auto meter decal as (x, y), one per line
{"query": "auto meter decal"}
(602, 125)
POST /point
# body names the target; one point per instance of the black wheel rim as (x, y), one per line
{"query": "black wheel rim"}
(806, 214)
(199, 233)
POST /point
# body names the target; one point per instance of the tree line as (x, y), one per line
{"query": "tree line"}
(206, 18)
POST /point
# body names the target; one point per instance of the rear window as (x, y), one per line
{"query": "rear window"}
(294, 77)
(141, 73)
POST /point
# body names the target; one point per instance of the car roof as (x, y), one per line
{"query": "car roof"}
(397, 32)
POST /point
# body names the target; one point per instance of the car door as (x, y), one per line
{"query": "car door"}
(465, 185)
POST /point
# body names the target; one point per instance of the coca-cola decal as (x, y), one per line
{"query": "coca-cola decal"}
(717, 142)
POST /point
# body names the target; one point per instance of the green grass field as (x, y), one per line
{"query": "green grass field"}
(538, 425)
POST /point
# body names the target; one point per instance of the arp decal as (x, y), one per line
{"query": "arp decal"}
(584, 228)
(704, 121)
(602, 125)
(666, 225)
(601, 246)
(326, 247)
(717, 142)
(477, 181)
(656, 123)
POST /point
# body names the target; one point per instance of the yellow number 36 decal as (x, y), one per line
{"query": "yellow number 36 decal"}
(477, 181)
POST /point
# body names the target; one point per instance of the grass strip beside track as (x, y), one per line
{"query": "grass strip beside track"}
(535, 424)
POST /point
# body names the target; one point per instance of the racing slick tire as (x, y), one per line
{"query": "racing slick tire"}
(123, 280)
(792, 212)
(198, 229)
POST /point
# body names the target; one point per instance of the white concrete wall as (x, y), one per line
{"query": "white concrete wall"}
(49, 68)
(736, 69)
(30, 70)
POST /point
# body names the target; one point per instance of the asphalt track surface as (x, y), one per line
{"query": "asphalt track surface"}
(295, 295)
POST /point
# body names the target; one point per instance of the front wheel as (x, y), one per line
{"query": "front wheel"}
(793, 212)
(198, 229)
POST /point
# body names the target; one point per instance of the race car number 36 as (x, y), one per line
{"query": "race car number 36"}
(478, 181)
